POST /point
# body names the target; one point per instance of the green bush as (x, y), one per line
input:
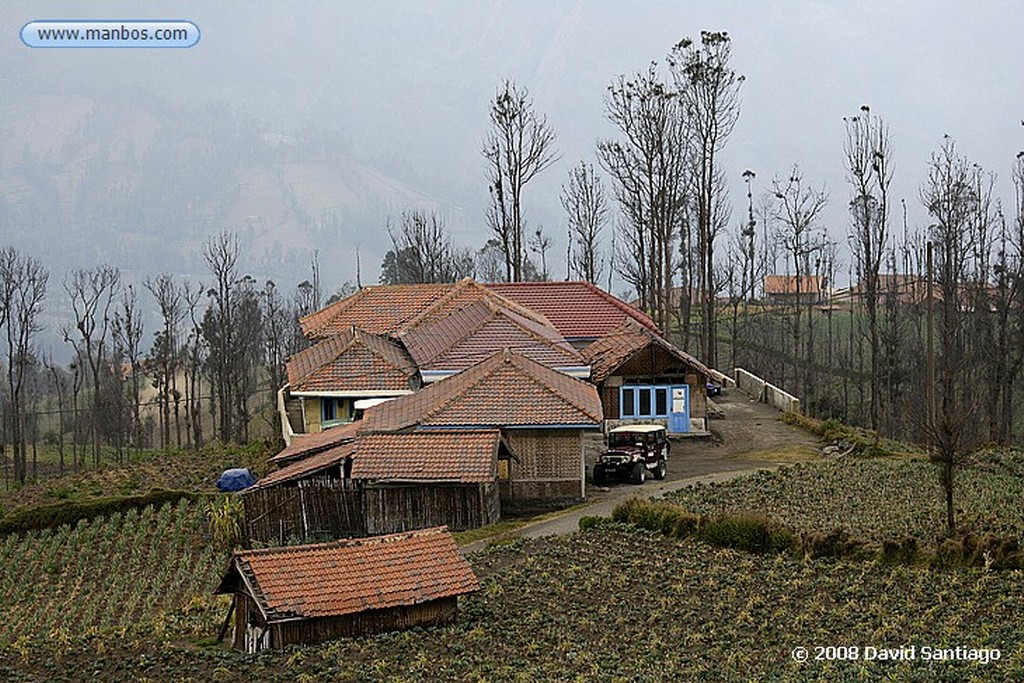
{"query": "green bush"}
(746, 532)
(903, 551)
(592, 521)
(71, 512)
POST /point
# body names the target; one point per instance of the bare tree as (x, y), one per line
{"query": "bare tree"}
(539, 244)
(195, 360)
(520, 145)
(647, 166)
(869, 171)
(586, 207)
(796, 212)
(709, 90)
(951, 196)
(22, 291)
(92, 293)
(164, 355)
(422, 252)
(221, 256)
(127, 334)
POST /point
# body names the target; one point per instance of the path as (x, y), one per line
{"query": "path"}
(748, 439)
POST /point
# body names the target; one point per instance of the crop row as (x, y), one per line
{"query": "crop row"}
(105, 574)
(873, 498)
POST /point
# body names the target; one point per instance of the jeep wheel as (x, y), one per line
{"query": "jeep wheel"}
(639, 473)
(599, 478)
(661, 470)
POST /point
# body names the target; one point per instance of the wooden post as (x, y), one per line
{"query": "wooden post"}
(227, 621)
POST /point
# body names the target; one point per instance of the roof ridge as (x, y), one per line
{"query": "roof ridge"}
(550, 372)
(350, 542)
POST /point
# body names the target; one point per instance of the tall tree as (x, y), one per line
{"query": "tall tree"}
(586, 208)
(951, 197)
(709, 89)
(221, 255)
(127, 333)
(519, 145)
(422, 252)
(647, 166)
(797, 209)
(869, 170)
(165, 354)
(93, 293)
(22, 291)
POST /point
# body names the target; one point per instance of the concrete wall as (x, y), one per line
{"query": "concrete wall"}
(766, 393)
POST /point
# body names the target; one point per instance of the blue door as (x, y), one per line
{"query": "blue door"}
(679, 413)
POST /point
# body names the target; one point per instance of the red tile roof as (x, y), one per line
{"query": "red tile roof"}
(382, 309)
(353, 361)
(393, 309)
(579, 310)
(471, 334)
(307, 444)
(506, 390)
(610, 352)
(311, 464)
(786, 284)
(464, 456)
(354, 575)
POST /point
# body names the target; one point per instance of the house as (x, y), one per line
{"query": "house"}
(541, 411)
(326, 380)
(464, 338)
(580, 311)
(381, 483)
(313, 593)
(644, 378)
(783, 289)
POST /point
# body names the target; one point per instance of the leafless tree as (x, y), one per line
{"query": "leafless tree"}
(520, 145)
(950, 193)
(539, 244)
(22, 291)
(647, 167)
(195, 360)
(709, 89)
(869, 169)
(165, 354)
(221, 254)
(422, 252)
(93, 293)
(127, 335)
(796, 212)
(586, 207)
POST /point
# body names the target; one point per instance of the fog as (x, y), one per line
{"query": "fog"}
(307, 125)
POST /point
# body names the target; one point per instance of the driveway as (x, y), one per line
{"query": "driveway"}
(749, 438)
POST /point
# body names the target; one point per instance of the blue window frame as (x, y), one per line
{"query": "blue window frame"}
(334, 411)
(644, 400)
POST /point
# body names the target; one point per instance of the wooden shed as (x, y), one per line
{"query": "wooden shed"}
(381, 483)
(312, 593)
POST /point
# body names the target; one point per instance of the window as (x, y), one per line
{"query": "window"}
(628, 402)
(644, 401)
(334, 411)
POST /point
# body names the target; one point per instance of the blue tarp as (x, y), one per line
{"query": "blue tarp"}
(236, 479)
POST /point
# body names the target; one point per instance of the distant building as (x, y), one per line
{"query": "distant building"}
(782, 290)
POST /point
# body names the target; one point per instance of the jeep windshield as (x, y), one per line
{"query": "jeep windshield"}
(619, 439)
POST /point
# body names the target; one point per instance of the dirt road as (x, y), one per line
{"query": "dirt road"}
(749, 438)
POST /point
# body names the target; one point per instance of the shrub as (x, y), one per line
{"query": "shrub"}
(903, 551)
(835, 543)
(592, 521)
(71, 512)
(746, 532)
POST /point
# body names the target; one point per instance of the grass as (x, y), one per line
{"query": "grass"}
(503, 529)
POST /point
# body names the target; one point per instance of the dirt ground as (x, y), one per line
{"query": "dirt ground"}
(746, 439)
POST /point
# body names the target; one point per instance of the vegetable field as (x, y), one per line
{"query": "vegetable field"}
(874, 498)
(114, 575)
(579, 609)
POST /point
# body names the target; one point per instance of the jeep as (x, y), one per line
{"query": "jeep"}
(633, 452)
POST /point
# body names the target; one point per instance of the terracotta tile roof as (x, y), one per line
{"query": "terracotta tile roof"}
(382, 309)
(608, 353)
(464, 456)
(304, 467)
(307, 444)
(354, 361)
(507, 389)
(786, 284)
(353, 575)
(578, 310)
(471, 334)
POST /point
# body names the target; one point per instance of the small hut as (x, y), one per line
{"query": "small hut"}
(312, 593)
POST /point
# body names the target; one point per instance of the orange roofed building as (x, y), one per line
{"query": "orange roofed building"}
(313, 593)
